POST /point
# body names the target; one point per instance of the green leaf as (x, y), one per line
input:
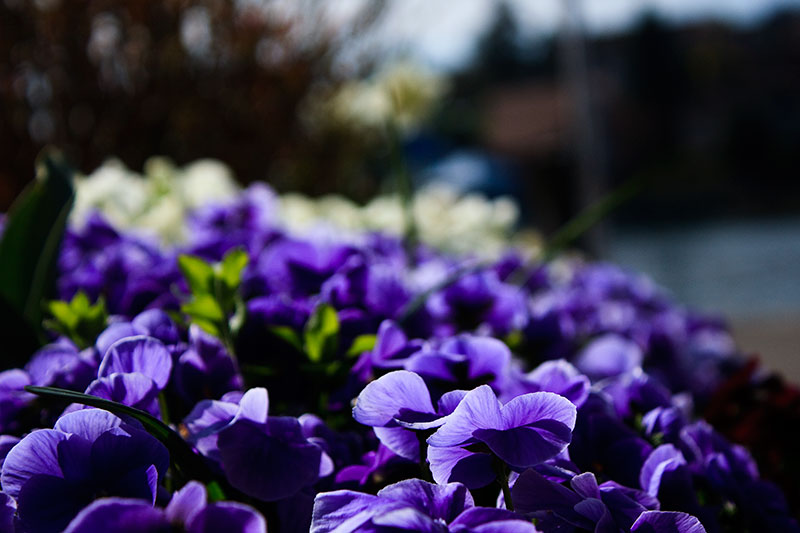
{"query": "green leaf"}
(214, 492)
(289, 335)
(361, 344)
(204, 307)
(78, 319)
(198, 273)
(28, 254)
(187, 463)
(321, 333)
(231, 267)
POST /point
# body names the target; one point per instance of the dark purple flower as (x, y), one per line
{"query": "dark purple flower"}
(392, 348)
(54, 473)
(608, 507)
(265, 457)
(205, 369)
(133, 389)
(13, 397)
(8, 508)
(187, 511)
(607, 356)
(524, 432)
(463, 362)
(411, 505)
(557, 376)
(62, 365)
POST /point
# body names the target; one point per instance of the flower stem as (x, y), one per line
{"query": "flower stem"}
(502, 478)
(422, 437)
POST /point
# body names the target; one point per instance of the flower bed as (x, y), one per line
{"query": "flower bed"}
(345, 381)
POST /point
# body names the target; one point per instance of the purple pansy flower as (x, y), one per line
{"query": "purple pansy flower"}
(463, 362)
(62, 365)
(411, 505)
(142, 354)
(205, 369)
(557, 376)
(608, 507)
(266, 457)
(187, 511)
(13, 397)
(524, 432)
(397, 405)
(54, 473)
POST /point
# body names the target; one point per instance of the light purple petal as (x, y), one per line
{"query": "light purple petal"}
(391, 395)
(88, 423)
(401, 441)
(449, 401)
(667, 522)
(444, 502)
(142, 354)
(254, 406)
(186, 502)
(479, 409)
(537, 406)
(134, 389)
(343, 510)
(36, 454)
(456, 464)
(609, 355)
(663, 459)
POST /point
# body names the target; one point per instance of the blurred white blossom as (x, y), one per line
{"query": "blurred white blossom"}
(159, 200)
(155, 202)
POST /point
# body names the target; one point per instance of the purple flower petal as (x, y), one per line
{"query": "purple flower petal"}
(390, 397)
(443, 502)
(88, 423)
(268, 466)
(456, 464)
(663, 459)
(609, 355)
(227, 516)
(142, 354)
(134, 389)
(479, 409)
(667, 522)
(121, 516)
(186, 502)
(36, 454)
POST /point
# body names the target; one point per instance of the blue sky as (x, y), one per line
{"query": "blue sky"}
(442, 32)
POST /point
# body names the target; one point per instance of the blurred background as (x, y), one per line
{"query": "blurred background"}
(683, 114)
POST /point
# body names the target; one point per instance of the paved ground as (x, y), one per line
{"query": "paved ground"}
(745, 270)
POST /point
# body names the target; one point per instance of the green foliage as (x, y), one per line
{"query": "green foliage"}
(78, 319)
(214, 303)
(28, 254)
(321, 334)
(361, 344)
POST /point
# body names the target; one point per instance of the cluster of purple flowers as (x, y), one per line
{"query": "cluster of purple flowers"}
(352, 384)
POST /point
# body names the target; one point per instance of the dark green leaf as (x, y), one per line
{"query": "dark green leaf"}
(28, 254)
(289, 335)
(187, 463)
(214, 492)
(321, 333)
(198, 273)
